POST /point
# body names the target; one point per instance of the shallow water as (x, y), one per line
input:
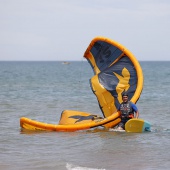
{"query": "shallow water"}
(42, 90)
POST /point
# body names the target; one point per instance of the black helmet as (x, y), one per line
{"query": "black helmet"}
(124, 94)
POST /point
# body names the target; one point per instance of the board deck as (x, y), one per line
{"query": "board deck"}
(137, 126)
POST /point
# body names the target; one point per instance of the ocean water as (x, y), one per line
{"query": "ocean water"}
(42, 90)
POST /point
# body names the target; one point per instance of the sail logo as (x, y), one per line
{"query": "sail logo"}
(123, 84)
(104, 52)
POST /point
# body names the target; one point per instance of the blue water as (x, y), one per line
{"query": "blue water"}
(42, 90)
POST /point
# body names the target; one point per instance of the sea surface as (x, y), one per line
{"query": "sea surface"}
(42, 90)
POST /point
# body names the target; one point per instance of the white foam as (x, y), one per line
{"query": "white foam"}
(76, 167)
(117, 130)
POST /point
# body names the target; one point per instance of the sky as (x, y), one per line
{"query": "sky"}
(52, 30)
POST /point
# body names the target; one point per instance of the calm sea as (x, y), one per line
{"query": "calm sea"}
(42, 90)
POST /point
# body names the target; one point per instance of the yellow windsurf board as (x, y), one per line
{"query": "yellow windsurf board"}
(137, 126)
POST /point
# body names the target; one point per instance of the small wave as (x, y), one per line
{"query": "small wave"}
(160, 130)
(76, 167)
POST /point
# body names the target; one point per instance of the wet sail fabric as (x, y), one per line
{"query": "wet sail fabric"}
(116, 71)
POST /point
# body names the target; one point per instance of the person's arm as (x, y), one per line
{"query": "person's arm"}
(136, 110)
(137, 114)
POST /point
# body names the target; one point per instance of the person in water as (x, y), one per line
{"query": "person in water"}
(128, 111)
